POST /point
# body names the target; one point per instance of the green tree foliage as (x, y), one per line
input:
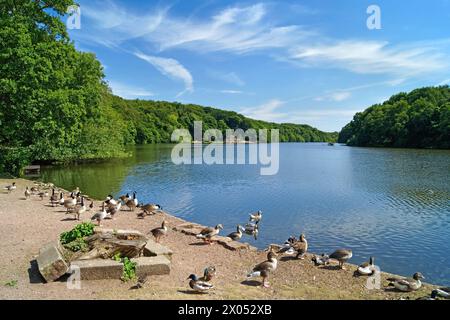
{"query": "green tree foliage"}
(154, 121)
(419, 119)
(50, 93)
(55, 105)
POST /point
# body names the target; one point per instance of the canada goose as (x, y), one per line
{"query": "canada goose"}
(110, 200)
(54, 198)
(61, 199)
(299, 246)
(407, 284)
(78, 210)
(11, 187)
(199, 286)
(27, 193)
(70, 203)
(125, 198)
(100, 216)
(150, 208)
(132, 203)
(91, 206)
(367, 268)
(159, 232)
(237, 235)
(208, 233)
(208, 274)
(256, 217)
(342, 255)
(34, 190)
(265, 268)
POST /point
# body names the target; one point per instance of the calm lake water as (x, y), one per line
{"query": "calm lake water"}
(393, 204)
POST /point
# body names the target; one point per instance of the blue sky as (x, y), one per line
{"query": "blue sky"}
(312, 62)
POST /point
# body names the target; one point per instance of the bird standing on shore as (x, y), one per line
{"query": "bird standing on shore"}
(237, 235)
(100, 216)
(265, 268)
(159, 232)
(208, 274)
(407, 284)
(342, 256)
(54, 198)
(296, 246)
(27, 193)
(70, 203)
(208, 233)
(199, 286)
(11, 187)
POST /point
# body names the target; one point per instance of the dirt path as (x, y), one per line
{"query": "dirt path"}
(27, 225)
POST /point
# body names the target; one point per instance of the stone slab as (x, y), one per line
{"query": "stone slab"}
(153, 249)
(51, 263)
(100, 269)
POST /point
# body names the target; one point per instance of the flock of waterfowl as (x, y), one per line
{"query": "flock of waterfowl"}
(75, 204)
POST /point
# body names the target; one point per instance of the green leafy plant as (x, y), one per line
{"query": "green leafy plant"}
(129, 267)
(77, 245)
(82, 230)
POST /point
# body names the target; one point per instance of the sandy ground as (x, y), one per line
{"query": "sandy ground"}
(27, 225)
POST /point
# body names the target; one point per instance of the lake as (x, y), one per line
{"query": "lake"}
(393, 204)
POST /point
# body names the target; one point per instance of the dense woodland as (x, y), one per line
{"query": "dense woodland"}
(419, 119)
(56, 106)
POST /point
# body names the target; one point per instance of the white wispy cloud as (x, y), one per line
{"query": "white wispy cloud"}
(232, 91)
(271, 111)
(228, 77)
(267, 111)
(170, 68)
(444, 82)
(114, 24)
(371, 57)
(128, 91)
(337, 96)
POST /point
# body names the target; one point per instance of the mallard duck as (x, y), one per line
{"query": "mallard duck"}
(27, 193)
(252, 229)
(367, 268)
(342, 255)
(323, 259)
(100, 216)
(256, 217)
(299, 246)
(265, 268)
(208, 274)
(159, 232)
(407, 284)
(237, 235)
(208, 233)
(443, 292)
(11, 187)
(199, 286)
(150, 208)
